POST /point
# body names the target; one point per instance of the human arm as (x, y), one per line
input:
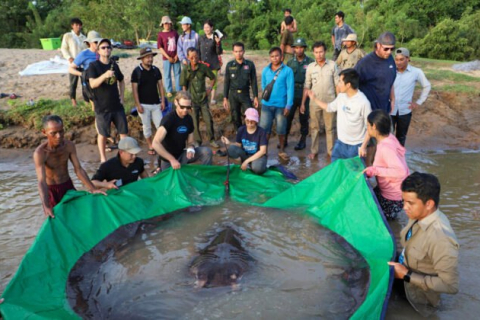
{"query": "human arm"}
(160, 149)
(392, 99)
(65, 47)
(312, 97)
(333, 40)
(72, 69)
(218, 45)
(294, 26)
(226, 88)
(212, 77)
(39, 160)
(80, 172)
(162, 94)
(121, 90)
(396, 167)
(260, 153)
(426, 87)
(136, 99)
(290, 90)
(253, 83)
(105, 184)
(306, 87)
(95, 79)
(183, 78)
(181, 51)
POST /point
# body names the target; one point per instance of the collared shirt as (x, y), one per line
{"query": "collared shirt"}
(347, 60)
(194, 81)
(283, 89)
(299, 68)
(322, 80)
(240, 76)
(72, 44)
(209, 51)
(404, 87)
(432, 254)
(341, 33)
(114, 170)
(186, 41)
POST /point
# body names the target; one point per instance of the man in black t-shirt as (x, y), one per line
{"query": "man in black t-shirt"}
(174, 141)
(251, 144)
(123, 169)
(146, 87)
(106, 80)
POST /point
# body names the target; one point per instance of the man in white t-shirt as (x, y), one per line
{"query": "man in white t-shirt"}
(352, 108)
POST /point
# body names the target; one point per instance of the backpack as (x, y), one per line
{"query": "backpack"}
(138, 73)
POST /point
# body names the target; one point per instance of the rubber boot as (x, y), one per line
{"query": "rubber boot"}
(301, 143)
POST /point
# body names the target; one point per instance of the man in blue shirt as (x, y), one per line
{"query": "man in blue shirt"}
(404, 86)
(377, 73)
(278, 105)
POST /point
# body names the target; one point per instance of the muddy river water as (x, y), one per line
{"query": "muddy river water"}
(300, 269)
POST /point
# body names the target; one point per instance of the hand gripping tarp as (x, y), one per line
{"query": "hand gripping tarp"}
(338, 196)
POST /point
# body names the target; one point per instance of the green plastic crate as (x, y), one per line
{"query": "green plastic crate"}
(51, 43)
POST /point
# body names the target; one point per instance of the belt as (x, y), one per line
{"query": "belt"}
(239, 91)
(299, 85)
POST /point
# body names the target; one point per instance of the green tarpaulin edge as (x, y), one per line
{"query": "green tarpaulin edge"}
(337, 196)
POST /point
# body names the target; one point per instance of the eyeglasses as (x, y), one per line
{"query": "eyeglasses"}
(185, 107)
(387, 48)
(106, 48)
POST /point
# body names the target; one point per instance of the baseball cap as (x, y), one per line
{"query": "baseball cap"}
(251, 114)
(186, 20)
(129, 145)
(386, 39)
(403, 51)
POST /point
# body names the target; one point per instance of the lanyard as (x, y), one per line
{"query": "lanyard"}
(401, 259)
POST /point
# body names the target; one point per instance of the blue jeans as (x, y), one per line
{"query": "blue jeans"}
(344, 151)
(258, 166)
(167, 75)
(270, 113)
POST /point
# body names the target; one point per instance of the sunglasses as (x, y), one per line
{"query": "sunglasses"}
(106, 48)
(185, 107)
(387, 48)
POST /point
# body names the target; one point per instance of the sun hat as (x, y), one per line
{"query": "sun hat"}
(93, 36)
(130, 145)
(186, 20)
(251, 114)
(403, 51)
(165, 19)
(351, 37)
(146, 52)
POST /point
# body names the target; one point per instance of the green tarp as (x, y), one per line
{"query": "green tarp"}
(338, 196)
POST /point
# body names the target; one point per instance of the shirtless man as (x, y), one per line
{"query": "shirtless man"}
(51, 164)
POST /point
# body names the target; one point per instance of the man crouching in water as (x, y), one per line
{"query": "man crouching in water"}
(51, 164)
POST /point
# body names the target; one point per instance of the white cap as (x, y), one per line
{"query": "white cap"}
(129, 145)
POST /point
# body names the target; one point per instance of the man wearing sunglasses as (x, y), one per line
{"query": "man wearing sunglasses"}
(106, 81)
(377, 73)
(174, 141)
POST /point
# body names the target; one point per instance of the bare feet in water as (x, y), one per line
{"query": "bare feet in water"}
(312, 156)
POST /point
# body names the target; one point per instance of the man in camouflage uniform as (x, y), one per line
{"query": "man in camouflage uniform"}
(299, 65)
(240, 75)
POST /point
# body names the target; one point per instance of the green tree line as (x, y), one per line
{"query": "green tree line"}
(429, 28)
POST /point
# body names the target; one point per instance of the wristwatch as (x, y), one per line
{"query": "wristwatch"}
(406, 277)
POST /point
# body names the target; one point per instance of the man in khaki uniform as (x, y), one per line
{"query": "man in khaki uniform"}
(428, 264)
(350, 54)
(321, 78)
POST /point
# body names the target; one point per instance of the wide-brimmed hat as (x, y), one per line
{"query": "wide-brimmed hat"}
(93, 36)
(403, 51)
(251, 114)
(165, 19)
(129, 145)
(186, 20)
(145, 52)
(351, 37)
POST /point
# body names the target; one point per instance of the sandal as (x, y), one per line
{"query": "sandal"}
(284, 156)
(151, 152)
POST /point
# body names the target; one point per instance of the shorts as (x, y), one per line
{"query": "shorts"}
(390, 208)
(104, 120)
(57, 191)
(267, 117)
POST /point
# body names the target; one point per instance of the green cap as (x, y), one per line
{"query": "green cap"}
(299, 42)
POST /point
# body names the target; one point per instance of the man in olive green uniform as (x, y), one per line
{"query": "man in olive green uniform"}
(299, 65)
(192, 79)
(240, 75)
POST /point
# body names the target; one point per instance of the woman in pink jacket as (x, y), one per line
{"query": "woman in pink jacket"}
(389, 165)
